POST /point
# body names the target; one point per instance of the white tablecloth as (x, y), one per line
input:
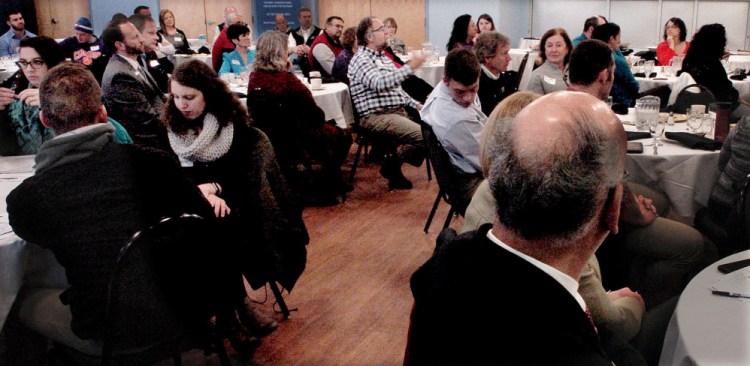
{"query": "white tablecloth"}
(7, 70)
(708, 329)
(685, 175)
(432, 73)
(21, 264)
(645, 84)
(178, 59)
(333, 99)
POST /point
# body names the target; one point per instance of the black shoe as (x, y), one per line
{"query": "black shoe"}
(238, 336)
(391, 170)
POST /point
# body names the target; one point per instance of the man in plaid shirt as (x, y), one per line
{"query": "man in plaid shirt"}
(375, 84)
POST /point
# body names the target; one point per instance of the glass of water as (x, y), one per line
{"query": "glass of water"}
(656, 128)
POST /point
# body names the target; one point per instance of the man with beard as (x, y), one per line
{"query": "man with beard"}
(10, 40)
(158, 67)
(131, 95)
(375, 85)
(327, 46)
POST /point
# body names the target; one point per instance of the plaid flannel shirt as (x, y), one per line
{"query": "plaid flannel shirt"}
(375, 83)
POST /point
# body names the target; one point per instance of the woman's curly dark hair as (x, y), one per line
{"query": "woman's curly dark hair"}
(708, 43)
(460, 31)
(220, 101)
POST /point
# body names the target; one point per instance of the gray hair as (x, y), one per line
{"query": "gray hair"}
(552, 192)
(271, 52)
(488, 43)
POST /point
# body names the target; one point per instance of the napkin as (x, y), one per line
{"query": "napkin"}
(239, 94)
(694, 141)
(738, 77)
(643, 75)
(620, 108)
(637, 135)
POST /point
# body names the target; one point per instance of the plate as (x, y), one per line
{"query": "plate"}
(314, 88)
(680, 118)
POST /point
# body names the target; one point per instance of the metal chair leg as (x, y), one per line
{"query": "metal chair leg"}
(429, 169)
(449, 218)
(356, 159)
(432, 212)
(279, 299)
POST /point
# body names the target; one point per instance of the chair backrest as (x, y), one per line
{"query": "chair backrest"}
(524, 70)
(521, 68)
(163, 288)
(445, 173)
(686, 98)
(745, 211)
(273, 114)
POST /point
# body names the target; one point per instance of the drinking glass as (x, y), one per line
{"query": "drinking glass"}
(656, 128)
(641, 64)
(646, 110)
(648, 67)
(694, 120)
(708, 125)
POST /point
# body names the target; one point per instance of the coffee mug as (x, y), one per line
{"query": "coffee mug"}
(316, 83)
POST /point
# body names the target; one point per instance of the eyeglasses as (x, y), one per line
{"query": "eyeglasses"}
(36, 63)
(378, 30)
(672, 27)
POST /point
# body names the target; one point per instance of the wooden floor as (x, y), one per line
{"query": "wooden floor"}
(353, 299)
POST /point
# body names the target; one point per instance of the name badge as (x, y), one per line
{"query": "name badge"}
(178, 39)
(549, 80)
(185, 163)
(236, 62)
(95, 48)
(154, 63)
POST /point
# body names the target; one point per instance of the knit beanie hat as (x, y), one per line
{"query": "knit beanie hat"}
(83, 24)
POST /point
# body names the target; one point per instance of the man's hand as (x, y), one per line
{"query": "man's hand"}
(625, 292)
(29, 96)
(638, 211)
(302, 50)
(6, 97)
(416, 61)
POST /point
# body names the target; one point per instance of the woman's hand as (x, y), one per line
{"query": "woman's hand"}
(6, 97)
(210, 192)
(220, 206)
(30, 97)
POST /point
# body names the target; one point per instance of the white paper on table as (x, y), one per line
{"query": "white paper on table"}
(737, 282)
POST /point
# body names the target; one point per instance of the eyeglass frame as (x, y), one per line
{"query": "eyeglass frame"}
(35, 64)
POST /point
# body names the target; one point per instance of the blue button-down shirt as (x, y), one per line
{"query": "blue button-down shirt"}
(9, 42)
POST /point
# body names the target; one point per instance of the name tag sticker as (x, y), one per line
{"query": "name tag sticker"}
(549, 80)
(235, 62)
(95, 48)
(154, 63)
(178, 39)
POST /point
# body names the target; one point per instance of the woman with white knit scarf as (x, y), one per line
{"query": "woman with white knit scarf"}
(234, 167)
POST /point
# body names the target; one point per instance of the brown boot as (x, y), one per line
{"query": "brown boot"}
(258, 323)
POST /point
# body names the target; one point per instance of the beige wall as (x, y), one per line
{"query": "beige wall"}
(409, 14)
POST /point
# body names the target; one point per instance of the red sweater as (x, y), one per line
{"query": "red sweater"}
(222, 44)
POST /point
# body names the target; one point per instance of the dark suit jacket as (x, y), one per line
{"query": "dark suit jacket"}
(477, 303)
(135, 101)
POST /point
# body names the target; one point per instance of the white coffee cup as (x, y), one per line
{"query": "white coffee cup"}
(316, 83)
(314, 74)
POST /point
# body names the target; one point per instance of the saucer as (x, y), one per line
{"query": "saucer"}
(314, 88)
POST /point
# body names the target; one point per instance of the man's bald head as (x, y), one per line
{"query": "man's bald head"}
(554, 167)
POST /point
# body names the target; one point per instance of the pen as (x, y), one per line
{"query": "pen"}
(728, 294)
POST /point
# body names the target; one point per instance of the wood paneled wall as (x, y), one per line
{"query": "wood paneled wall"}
(56, 18)
(196, 17)
(409, 14)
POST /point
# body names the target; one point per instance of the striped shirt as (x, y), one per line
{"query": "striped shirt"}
(375, 83)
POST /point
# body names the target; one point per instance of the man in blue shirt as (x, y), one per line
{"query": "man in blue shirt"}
(588, 27)
(10, 40)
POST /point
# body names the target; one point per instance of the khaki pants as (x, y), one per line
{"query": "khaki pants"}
(401, 130)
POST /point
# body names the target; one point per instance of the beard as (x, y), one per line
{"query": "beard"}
(18, 29)
(133, 50)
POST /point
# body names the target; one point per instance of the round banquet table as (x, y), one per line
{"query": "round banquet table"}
(743, 86)
(685, 175)
(333, 99)
(708, 329)
(178, 59)
(431, 72)
(21, 264)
